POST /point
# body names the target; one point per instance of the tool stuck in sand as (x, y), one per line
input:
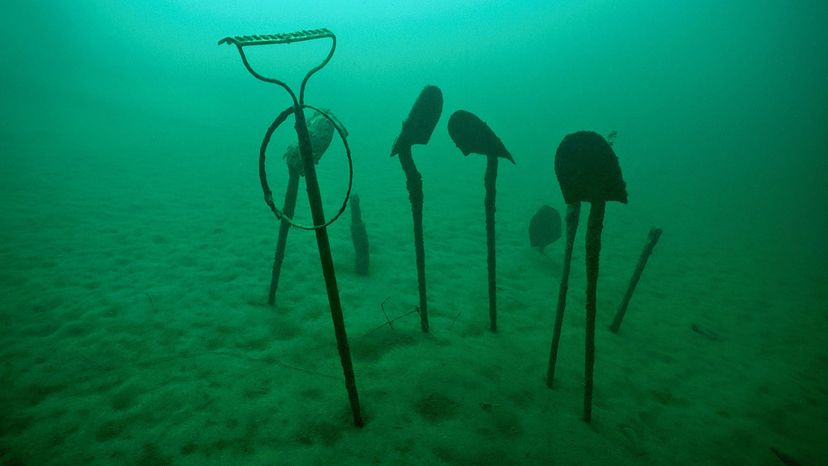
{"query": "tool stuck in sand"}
(587, 170)
(359, 237)
(652, 240)
(321, 133)
(472, 135)
(417, 129)
(306, 153)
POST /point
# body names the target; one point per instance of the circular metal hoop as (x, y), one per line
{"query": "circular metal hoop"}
(268, 194)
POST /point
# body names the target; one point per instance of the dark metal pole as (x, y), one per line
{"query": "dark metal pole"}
(595, 225)
(323, 243)
(652, 240)
(359, 237)
(573, 213)
(414, 183)
(489, 202)
(284, 229)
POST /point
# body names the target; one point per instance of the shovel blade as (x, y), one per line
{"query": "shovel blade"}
(422, 119)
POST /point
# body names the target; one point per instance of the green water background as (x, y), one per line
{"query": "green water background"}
(721, 107)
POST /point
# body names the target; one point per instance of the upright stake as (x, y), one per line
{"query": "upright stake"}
(652, 240)
(489, 203)
(414, 183)
(284, 228)
(359, 236)
(595, 225)
(322, 242)
(573, 213)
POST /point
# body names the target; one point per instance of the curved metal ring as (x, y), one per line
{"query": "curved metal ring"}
(268, 194)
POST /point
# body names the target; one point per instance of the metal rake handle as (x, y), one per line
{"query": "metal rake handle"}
(284, 38)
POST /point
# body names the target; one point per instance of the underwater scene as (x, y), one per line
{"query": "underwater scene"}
(414, 233)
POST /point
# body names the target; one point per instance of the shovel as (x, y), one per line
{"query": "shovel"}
(587, 170)
(472, 135)
(417, 129)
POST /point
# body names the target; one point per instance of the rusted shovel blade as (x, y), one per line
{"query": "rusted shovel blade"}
(419, 125)
(587, 169)
(473, 135)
